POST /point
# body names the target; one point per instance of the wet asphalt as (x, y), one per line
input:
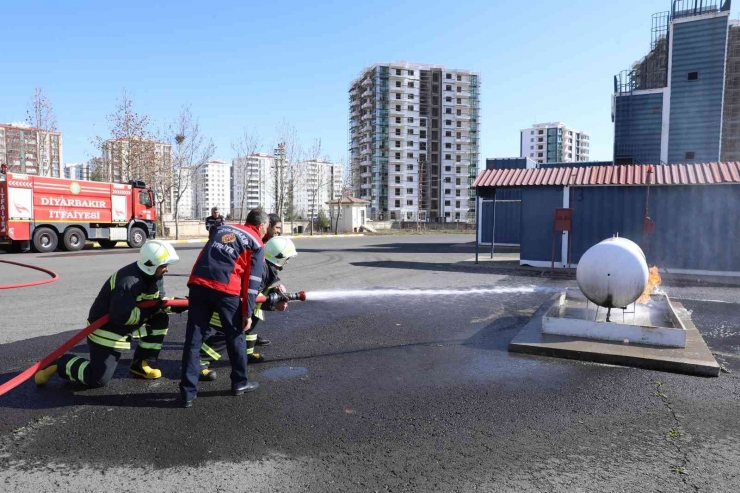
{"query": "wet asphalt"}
(391, 394)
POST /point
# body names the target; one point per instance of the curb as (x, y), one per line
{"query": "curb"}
(203, 240)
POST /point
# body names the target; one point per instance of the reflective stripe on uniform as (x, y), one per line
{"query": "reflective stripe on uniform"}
(215, 321)
(133, 319)
(139, 333)
(109, 339)
(210, 352)
(145, 297)
(250, 350)
(157, 346)
(69, 367)
(81, 372)
(252, 291)
(255, 278)
(158, 332)
(112, 281)
(251, 337)
(257, 312)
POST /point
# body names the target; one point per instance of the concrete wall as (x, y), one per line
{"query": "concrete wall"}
(696, 105)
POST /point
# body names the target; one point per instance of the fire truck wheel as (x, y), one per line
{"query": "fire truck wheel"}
(107, 244)
(136, 238)
(45, 240)
(74, 240)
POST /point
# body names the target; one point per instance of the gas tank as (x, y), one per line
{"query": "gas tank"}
(613, 273)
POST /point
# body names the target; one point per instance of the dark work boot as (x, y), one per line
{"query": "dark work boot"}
(247, 387)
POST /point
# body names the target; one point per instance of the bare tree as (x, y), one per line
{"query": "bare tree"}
(190, 152)
(40, 116)
(128, 151)
(288, 171)
(245, 146)
(315, 179)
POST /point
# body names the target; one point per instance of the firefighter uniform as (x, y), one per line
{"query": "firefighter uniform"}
(118, 298)
(225, 280)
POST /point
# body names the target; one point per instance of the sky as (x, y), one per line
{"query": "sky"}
(253, 64)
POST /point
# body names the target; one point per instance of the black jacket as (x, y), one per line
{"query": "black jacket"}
(119, 295)
(214, 221)
(270, 280)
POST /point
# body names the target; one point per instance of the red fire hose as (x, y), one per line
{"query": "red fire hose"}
(51, 358)
(53, 275)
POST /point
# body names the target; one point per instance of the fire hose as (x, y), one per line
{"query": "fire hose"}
(78, 337)
(53, 275)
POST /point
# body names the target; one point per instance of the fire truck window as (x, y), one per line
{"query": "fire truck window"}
(144, 199)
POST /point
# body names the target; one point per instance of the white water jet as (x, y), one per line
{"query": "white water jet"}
(377, 293)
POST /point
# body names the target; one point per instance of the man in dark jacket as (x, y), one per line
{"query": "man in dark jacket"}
(140, 281)
(214, 220)
(225, 280)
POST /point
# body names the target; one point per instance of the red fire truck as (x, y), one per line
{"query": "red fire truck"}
(51, 212)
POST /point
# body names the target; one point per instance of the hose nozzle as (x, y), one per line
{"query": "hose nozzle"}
(299, 296)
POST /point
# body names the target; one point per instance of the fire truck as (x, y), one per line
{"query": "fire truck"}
(45, 213)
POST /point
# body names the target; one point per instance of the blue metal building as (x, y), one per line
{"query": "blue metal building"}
(695, 210)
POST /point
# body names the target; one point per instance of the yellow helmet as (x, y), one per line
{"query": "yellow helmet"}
(278, 250)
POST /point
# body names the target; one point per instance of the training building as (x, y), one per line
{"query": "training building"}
(686, 217)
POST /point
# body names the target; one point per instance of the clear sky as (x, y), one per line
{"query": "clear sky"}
(254, 63)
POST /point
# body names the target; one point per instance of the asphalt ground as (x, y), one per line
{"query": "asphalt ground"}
(376, 394)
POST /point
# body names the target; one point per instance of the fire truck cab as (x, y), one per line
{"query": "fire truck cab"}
(45, 213)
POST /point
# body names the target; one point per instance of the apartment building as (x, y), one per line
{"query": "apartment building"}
(212, 188)
(252, 184)
(681, 102)
(414, 133)
(135, 159)
(321, 182)
(30, 150)
(77, 171)
(554, 143)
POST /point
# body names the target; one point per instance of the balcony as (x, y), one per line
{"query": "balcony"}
(367, 93)
(367, 105)
(463, 117)
(366, 82)
(367, 116)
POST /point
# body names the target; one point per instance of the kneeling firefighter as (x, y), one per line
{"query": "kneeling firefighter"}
(140, 281)
(278, 251)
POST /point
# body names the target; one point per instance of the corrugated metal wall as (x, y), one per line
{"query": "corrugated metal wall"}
(508, 223)
(538, 214)
(695, 225)
(638, 123)
(696, 105)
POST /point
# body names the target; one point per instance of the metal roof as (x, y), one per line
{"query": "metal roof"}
(615, 175)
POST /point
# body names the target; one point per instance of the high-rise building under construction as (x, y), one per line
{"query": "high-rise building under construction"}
(414, 132)
(681, 102)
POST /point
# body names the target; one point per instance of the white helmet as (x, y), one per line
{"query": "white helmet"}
(278, 250)
(155, 253)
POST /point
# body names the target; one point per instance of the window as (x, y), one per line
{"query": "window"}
(540, 132)
(448, 157)
(398, 179)
(423, 122)
(410, 179)
(459, 112)
(409, 143)
(411, 72)
(423, 146)
(693, 76)
(690, 155)
(398, 155)
(457, 181)
(458, 159)
(539, 154)
(540, 147)
(459, 101)
(398, 83)
(398, 131)
(411, 96)
(457, 193)
(531, 147)
(398, 71)
(459, 124)
(448, 122)
(448, 145)
(145, 199)
(423, 134)
(448, 180)
(459, 147)
(411, 131)
(435, 158)
(531, 154)
(459, 78)
(435, 77)
(410, 167)
(540, 139)
(447, 203)
(411, 120)
(398, 143)
(448, 133)
(409, 202)
(398, 108)
(398, 118)
(398, 166)
(410, 155)
(411, 108)
(448, 111)
(448, 169)
(448, 99)
(398, 203)
(411, 84)
(398, 191)
(435, 135)
(457, 204)
(398, 95)
(448, 88)
(449, 76)
(435, 123)
(459, 89)
(409, 190)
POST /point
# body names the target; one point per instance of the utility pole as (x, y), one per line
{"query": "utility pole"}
(279, 179)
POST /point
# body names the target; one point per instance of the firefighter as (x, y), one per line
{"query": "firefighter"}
(225, 280)
(278, 251)
(275, 228)
(139, 281)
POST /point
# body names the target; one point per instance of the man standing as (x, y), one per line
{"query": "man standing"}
(275, 228)
(225, 280)
(214, 220)
(139, 281)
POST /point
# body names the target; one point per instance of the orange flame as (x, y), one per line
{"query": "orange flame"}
(654, 281)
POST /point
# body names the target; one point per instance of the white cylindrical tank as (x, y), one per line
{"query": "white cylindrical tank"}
(613, 273)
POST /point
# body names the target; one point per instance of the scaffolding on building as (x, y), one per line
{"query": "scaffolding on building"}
(731, 107)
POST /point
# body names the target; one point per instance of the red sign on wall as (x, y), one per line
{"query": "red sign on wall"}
(563, 219)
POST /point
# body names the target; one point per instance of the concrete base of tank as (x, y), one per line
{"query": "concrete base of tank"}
(693, 359)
